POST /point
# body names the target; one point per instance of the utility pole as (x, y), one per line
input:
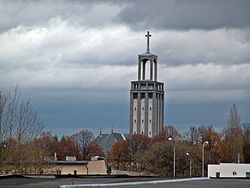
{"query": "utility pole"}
(190, 164)
(203, 156)
(171, 139)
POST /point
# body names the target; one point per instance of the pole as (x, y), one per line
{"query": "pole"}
(174, 161)
(171, 139)
(190, 164)
(190, 168)
(203, 156)
(202, 160)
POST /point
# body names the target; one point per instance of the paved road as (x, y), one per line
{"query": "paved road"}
(209, 183)
(21, 182)
(55, 183)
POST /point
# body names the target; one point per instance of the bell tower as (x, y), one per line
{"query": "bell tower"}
(147, 97)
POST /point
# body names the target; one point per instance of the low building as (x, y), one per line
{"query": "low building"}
(97, 166)
(229, 170)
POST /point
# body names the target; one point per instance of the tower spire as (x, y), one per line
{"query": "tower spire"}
(148, 35)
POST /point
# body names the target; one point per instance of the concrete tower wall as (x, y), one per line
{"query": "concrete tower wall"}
(135, 109)
(147, 108)
(147, 97)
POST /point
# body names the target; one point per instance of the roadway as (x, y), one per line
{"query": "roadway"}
(17, 182)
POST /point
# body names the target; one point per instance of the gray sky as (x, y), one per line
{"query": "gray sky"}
(75, 59)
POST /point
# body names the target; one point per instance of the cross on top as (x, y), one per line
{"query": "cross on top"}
(148, 35)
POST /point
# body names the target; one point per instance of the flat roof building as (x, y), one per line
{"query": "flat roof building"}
(229, 170)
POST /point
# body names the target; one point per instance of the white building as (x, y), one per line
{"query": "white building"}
(229, 170)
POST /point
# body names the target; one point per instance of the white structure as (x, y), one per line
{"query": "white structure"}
(229, 170)
(147, 97)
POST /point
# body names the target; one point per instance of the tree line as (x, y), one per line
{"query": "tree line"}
(81, 145)
(155, 155)
(25, 145)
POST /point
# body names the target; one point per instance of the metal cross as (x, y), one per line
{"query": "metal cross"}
(148, 35)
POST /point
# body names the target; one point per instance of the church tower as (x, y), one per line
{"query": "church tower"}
(147, 97)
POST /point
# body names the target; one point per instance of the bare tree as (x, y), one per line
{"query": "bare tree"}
(2, 106)
(29, 126)
(19, 125)
(192, 135)
(3, 99)
(172, 132)
(19, 120)
(83, 139)
(234, 135)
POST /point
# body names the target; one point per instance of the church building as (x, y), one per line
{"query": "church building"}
(147, 97)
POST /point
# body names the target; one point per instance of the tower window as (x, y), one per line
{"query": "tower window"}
(142, 108)
(150, 120)
(143, 86)
(150, 108)
(150, 132)
(135, 120)
(135, 108)
(142, 121)
(143, 95)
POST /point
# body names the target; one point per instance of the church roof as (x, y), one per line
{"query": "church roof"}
(107, 140)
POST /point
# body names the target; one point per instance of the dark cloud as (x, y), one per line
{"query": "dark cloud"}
(183, 15)
(139, 15)
(28, 13)
(68, 51)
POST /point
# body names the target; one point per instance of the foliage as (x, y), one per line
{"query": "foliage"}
(246, 145)
(118, 156)
(80, 145)
(48, 143)
(155, 155)
(82, 141)
(157, 159)
(27, 148)
(92, 150)
(24, 148)
(137, 144)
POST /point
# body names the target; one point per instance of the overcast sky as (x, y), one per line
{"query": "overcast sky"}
(75, 59)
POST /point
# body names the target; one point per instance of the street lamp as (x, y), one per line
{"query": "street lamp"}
(171, 139)
(2, 147)
(190, 164)
(203, 157)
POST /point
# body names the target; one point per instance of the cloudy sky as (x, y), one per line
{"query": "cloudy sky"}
(75, 59)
